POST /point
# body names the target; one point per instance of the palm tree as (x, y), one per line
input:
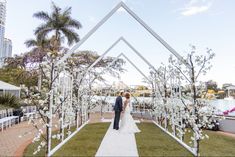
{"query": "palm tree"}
(59, 25)
(59, 22)
(39, 49)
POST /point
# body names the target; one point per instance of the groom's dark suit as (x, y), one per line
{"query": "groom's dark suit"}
(118, 110)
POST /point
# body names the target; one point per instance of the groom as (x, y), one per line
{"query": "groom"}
(118, 110)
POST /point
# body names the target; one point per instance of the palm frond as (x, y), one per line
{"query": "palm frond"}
(55, 8)
(43, 30)
(42, 15)
(58, 21)
(67, 11)
(74, 23)
(70, 35)
(30, 43)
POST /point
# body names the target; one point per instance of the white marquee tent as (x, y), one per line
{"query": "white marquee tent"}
(8, 88)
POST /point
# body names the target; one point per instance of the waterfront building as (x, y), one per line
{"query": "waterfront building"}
(7, 48)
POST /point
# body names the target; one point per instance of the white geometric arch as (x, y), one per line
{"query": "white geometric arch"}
(113, 45)
(93, 30)
(133, 64)
(129, 60)
(120, 55)
(138, 19)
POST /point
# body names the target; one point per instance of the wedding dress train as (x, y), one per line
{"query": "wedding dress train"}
(127, 122)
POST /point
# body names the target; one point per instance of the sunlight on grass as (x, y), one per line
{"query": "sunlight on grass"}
(154, 142)
(86, 142)
(33, 146)
(216, 145)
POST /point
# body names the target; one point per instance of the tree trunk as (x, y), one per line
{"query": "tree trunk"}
(49, 117)
(195, 106)
(39, 80)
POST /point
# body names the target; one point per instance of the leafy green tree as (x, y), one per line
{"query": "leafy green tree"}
(212, 85)
(18, 76)
(18, 61)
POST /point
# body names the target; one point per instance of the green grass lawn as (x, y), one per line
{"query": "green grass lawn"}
(33, 146)
(152, 141)
(216, 145)
(86, 142)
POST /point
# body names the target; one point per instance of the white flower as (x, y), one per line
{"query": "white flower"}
(34, 153)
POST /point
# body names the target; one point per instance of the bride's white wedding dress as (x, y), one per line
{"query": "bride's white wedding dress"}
(127, 122)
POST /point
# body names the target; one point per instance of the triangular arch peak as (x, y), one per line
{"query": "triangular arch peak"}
(138, 19)
(129, 45)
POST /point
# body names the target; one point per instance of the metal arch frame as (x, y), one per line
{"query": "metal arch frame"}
(138, 19)
(150, 65)
(120, 55)
(133, 64)
(112, 46)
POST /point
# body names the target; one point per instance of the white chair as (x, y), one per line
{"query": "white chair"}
(0, 114)
(10, 112)
(3, 120)
(4, 113)
(30, 111)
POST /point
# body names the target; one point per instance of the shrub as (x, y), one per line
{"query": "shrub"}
(9, 100)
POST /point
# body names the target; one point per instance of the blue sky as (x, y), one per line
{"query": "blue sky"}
(203, 23)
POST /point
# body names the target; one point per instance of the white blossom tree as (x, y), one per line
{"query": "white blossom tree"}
(197, 113)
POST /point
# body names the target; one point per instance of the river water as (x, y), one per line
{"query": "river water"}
(223, 104)
(220, 104)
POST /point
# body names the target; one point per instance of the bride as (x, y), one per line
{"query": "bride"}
(127, 122)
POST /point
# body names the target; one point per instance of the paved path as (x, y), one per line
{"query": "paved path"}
(12, 145)
(115, 143)
(10, 141)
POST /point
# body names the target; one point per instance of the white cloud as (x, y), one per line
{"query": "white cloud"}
(194, 10)
(194, 7)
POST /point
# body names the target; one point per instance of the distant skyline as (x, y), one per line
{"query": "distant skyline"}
(203, 23)
(2, 27)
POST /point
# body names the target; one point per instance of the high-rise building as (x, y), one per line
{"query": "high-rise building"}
(2, 29)
(2, 25)
(7, 48)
